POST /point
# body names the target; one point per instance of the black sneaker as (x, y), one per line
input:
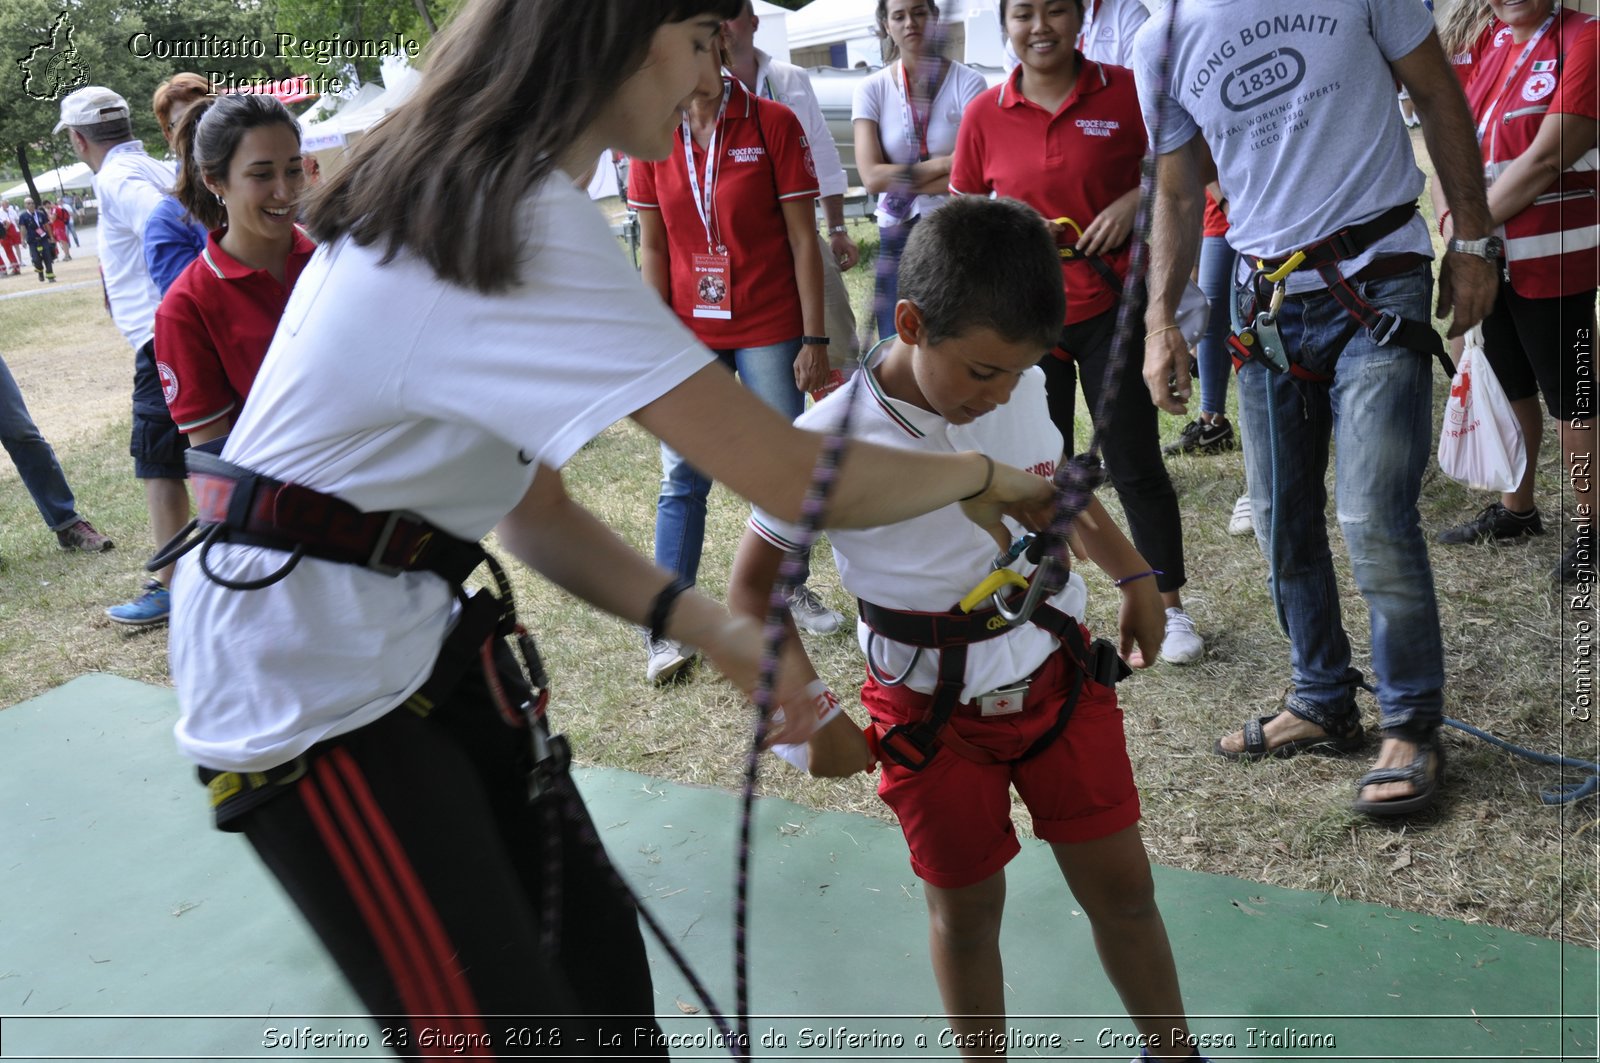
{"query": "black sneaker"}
(1578, 562)
(1494, 522)
(1202, 437)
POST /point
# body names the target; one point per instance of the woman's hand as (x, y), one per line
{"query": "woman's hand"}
(1025, 497)
(1111, 226)
(734, 645)
(811, 367)
(1141, 619)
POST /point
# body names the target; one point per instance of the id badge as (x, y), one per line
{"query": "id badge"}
(1004, 701)
(713, 287)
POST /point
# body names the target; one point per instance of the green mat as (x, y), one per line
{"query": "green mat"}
(131, 930)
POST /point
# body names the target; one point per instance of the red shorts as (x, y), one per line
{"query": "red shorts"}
(956, 814)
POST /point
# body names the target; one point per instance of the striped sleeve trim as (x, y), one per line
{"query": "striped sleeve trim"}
(201, 422)
(637, 205)
(810, 193)
(766, 532)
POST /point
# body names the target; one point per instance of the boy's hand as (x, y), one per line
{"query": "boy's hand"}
(1141, 619)
(839, 749)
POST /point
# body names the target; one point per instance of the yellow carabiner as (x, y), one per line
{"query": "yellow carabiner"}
(1069, 252)
(1290, 264)
(1003, 577)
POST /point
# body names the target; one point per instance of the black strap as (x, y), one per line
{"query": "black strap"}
(238, 505)
(914, 745)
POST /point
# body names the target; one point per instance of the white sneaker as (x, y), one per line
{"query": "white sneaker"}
(811, 613)
(1182, 644)
(664, 659)
(1243, 521)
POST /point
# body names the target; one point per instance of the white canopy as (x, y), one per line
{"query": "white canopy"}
(772, 36)
(74, 178)
(400, 80)
(825, 22)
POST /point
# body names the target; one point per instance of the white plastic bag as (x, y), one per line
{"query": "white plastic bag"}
(1481, 442)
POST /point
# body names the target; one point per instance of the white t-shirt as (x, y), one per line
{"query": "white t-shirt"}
(881, 97)
(394, 390)
(1297, 105)
(129, 185)
(791, 86)
(1109, 27)
(929, 563)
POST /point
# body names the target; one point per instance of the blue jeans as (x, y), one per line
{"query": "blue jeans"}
(681, 508)
(886, 280)
(1216, 281)
(35, 461)
(1377, 411)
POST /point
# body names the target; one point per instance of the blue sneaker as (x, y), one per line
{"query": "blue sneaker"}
(151, 607)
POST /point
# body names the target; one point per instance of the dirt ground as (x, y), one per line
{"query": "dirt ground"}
(76, 377)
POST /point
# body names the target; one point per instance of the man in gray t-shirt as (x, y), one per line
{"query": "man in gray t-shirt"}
(1295, 105)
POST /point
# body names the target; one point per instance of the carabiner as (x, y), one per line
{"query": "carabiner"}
(1030, 601)
(1280, 274)
(1069, 252)
(991, 586)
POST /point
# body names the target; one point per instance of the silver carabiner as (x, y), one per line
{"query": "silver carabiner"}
(1030, 600)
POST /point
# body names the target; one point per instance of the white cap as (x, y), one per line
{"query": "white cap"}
(91, 106)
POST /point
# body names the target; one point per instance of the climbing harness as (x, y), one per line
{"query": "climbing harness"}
(913, 745)
(236, 505)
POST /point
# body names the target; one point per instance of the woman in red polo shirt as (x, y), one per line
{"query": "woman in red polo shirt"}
(1065, 136)
(240, 176)
(728, 237)
(1535, 93)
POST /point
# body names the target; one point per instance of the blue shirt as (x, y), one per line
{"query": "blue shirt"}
(172, 240)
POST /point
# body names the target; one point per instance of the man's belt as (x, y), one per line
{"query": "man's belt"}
(255, 510)
(1345, 244)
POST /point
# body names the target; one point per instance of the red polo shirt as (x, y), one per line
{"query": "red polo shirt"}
(213, 329)
(764, 163)
(1071, 164)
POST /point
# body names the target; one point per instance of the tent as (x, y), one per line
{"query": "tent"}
(772, 35)
(845, 32)
(400, 80)
(74, 178)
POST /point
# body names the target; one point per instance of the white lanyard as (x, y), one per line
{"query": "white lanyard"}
(1527, 50)
(704, 202)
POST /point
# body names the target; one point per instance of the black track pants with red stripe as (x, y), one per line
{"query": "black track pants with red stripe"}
(412, 850)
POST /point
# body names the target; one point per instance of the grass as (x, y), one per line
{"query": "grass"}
(1491, 853)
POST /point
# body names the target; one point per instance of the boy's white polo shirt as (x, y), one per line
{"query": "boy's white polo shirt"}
(929, 563)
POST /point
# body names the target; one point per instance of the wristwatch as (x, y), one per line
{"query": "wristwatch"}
(835, 230)
(813, 341)
(1490, 247)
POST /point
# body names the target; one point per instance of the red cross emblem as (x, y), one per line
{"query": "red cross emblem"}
(1462, 390)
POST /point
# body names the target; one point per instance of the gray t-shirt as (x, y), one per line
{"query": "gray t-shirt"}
(1297, 104)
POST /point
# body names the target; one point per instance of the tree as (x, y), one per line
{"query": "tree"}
(364, 20)
(48, 47)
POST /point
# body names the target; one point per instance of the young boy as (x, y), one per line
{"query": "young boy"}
(980, 303)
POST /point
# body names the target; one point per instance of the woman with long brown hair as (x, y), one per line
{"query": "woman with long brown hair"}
(465, 327)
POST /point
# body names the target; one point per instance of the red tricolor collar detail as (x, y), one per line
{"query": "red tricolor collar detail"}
(1091, 78)
(902, 414)
(226, 267)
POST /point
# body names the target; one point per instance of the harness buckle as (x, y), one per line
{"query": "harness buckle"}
(381, 546)
(909, 745)
(1384, 329)
(552, 755)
